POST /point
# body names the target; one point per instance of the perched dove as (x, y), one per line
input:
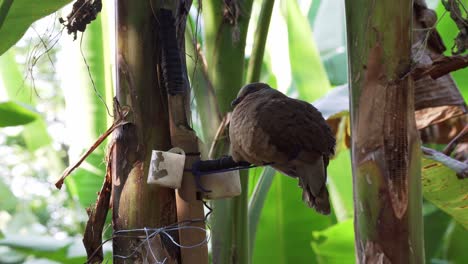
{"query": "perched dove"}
(269, 127)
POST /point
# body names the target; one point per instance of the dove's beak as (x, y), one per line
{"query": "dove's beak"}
(236, 101)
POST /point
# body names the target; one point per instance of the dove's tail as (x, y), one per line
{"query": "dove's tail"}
(312, 179)
(320, 203)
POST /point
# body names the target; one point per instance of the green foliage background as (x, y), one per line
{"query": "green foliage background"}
(38, 222)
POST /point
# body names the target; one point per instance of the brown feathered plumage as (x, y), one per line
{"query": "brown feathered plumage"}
(269, 127)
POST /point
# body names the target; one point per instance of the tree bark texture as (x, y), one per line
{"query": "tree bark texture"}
(385, 143)
(136, 204)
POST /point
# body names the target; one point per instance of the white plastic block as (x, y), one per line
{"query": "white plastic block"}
(222, 185)
(166, 168)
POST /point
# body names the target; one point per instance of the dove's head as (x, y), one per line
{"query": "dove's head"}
(249, 89)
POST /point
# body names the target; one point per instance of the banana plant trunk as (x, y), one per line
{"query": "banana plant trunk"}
(225, 28)
(385, 142)
(137, 205)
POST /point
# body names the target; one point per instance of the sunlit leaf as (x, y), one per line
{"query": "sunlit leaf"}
(21, 15)
(35, 134)
(5, 6)
(8, 255)
(334, 103)
(455, 247)
(257, 200)
(335, 245)
(435, 227)
(340, 185)
(329, 30)
(14, 114)
(307, 69)
(313, 10)
(284, 223)
(34, 242)
(443, 188)
(336, 66)
(8, 200)
(86, 181)
(42, 247)
(23, 219)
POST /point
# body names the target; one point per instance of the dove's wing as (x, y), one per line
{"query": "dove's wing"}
(294, 126)
(270, 127)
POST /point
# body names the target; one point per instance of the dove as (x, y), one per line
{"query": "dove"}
(290, 135)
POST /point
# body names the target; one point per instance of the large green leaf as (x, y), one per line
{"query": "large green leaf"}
(455, 245)
(436, 223)
(329, 30)
(313, 10)
(334, 103)
(8, 200)
(336, 66)
(5, 6)
(43, 247)
(86, 181)
(443, 188)
(35, 134)
(23, 219)
(307, 69)
(340, 185)
(335, 244)
(284, 223)
(14, 114)
(257, 200)
(8, 255)
(21, 14)
(34, 242)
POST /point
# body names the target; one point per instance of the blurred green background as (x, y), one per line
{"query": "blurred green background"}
(52, 109)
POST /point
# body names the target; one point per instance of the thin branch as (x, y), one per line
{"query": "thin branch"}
(460, 168)
(220, 135)
(461, 41)
(454, 142)
(117, 123)
(441, 66)
(92, 238)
